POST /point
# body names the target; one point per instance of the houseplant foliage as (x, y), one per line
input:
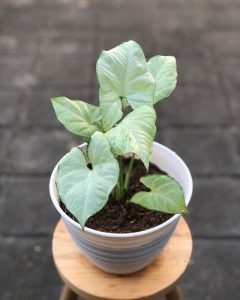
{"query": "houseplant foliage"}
(127, 81)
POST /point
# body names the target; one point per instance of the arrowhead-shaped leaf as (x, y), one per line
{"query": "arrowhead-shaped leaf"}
(122, 73)
(166, 195)
(135, 133)
(77, 116)
(163, 70)
(85, 191)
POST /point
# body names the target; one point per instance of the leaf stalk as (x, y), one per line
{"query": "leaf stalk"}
(120, 180)
(129, 173)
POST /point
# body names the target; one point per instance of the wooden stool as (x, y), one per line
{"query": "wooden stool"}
(82, 278)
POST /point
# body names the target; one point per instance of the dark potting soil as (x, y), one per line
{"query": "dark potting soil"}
(123, 216)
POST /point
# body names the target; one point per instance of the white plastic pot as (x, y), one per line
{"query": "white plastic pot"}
(123, 253)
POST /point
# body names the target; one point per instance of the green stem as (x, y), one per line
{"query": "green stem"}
(117, 192)
(120, 181)
(129, 172)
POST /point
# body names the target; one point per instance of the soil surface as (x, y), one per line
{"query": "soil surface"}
(123, 216)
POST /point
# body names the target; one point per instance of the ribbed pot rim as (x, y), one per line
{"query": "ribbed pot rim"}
(188, 195)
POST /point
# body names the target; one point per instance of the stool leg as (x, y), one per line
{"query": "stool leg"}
(68, 294)
(174, 294)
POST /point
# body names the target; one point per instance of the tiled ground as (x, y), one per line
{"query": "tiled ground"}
(49, 48)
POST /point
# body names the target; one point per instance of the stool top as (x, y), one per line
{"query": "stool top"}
(88, 281)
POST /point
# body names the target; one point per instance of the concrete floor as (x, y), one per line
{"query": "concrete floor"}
(49, 48)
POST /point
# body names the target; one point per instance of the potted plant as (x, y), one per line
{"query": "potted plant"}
(120, 194)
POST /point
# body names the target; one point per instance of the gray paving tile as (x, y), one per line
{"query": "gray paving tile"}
(224, 42)
(235, 105)
(14, 3)
(26, 208)
(133, 5)
(67, 46)
(68, 72)
(197, 71)
(9, 105)
(36, 109)
(176, 18)
(214, 271)
(29, 272)
(205, 151)
(181, 43)
(214, 208)
(162, 17)
(230, 77)
(192, 106)
(178, 3)
(15, 72)
(23, 4)
(3, 12)
(34, 19)
(73, 18)
(222, 17)
(82, 4)
(24, 21)
(37, 151)
(43, 114)
(228, 70)
(20, 45)
(5, 137)
(112, 21)
(79, 92)
(221, 3)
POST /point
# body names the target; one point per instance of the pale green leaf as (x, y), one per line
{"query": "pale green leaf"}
(85, 191)
(111, 108)
(166, 195)
(122, 73)
(77, 116)
(135, 133)
(164, 71)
